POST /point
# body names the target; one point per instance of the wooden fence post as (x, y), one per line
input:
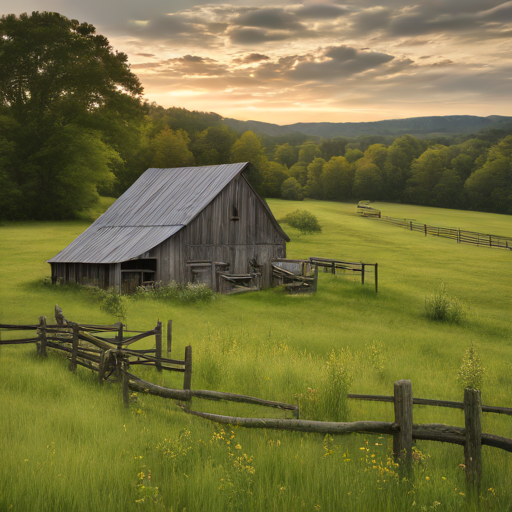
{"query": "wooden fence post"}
(158, 346)
(425, 228)
(473, 445)
(187, 379)
(169, 337)
(333, 270)
(315, 278)
(362, 273)
(119, 335)
(402, 440)
(376, 278)
(74, 352)
(41, 346)
(125, 385)
(101, 367)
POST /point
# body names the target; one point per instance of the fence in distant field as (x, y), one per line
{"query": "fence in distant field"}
(110, 356)
(460, 235)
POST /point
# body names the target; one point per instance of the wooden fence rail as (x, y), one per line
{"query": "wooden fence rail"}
(460, 235)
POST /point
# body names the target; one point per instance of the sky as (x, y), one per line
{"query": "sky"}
(284, 62)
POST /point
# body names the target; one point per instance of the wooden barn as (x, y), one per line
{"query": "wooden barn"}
(192, 224)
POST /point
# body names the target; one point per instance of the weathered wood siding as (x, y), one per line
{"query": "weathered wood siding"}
(82, 273)
(215, 235)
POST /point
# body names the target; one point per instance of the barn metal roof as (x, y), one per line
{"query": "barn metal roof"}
(153, 209)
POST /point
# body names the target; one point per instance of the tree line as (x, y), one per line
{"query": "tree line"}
(74, 125)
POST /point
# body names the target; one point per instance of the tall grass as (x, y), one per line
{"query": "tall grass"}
(68, 444)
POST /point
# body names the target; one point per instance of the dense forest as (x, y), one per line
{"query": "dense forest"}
(74, 125)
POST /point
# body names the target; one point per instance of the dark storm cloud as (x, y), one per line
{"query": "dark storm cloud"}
(321, 11)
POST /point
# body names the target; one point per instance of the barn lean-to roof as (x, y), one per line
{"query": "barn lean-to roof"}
(155, 207)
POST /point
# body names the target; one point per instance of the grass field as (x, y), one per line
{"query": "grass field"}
(69, 445)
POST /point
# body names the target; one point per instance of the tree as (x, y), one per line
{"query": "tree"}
(291, 189)
(52, 65)
(426, 171)
(299, 171)
(490, 187)
(308, 153)
(352, 155)
(367, 180)
(285, 154)
(249, 148)
(337, 179)
(314, 183)
(170, 149)
(273, 177)
(397, 167)
(60, 82)
(213, 145)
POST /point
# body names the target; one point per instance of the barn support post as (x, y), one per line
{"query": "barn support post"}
(74, 351)
(169, 337)
(41, 344)
(473, 444)
(402, 440)
(158, 346)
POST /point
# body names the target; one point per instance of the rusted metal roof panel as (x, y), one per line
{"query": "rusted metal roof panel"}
(114, 244)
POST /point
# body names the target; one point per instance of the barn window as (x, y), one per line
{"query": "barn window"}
(234, 213)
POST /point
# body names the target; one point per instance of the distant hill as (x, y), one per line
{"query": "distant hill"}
(420, 127)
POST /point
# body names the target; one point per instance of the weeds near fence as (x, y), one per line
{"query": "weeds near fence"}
(186, 293)
(471, 373)
(440, 307)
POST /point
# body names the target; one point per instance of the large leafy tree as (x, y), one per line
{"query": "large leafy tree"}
(60, 81)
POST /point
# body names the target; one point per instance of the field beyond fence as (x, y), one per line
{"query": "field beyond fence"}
(460, 235)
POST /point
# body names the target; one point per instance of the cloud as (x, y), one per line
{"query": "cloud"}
(255, 35)
(321, 11)
(251, 58)
(198, 66)
(270, 18)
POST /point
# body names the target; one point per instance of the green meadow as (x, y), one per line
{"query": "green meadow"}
(68, 444)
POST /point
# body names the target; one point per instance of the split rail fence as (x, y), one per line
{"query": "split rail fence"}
(460, 235)
(110, 356)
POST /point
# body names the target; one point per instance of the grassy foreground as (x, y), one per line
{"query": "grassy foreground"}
(68, 445)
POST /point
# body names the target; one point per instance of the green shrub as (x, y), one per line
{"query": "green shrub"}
(188, 293)
(304, 221)
(113, 303)
(441, 307)
(471, 372)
